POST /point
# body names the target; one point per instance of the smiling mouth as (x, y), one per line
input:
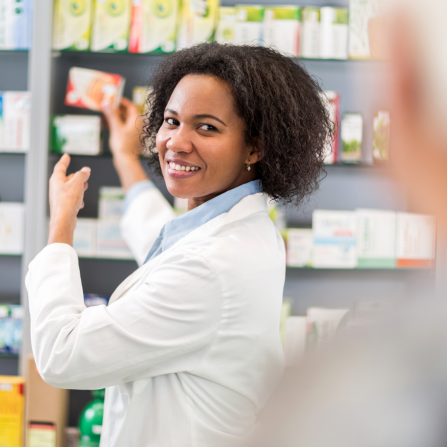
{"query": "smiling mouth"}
(181, 168)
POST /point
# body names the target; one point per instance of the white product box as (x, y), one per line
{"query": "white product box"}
(15, 108)
(109, 243)
(334, 238)
(376, 239)
(351, 138)
(249, 25)
(111, 200)
(282, 29)
(15, 24)
(84, 240)
(12, 221)
(334, 23)
(299, 247)
(332, 103)
(415, 241)
(310, 33)
(226, 24)
(295, 340)
(77, 134)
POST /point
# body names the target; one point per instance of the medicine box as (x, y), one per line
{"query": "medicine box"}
(351, 138)
(72, 22)
(111, 25)
(282, 29)
(76, 134)
(154, 26)
(12, 406)
(331, 101)
(226, 24)
(109, 242)
(15, 109)
(84, 239)
(334, 23)
(12, 227)
(310, 33)
(381, 141)
(299, 247)
(15, 24)
(111, 200)
(92, 89)
(249, 25)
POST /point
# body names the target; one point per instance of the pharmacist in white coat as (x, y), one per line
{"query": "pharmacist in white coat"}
(188, 348)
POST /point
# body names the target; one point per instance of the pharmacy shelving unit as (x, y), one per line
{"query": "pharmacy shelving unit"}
(345, 187)
(13, 76)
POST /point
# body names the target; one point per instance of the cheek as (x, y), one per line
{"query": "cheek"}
(160, 142)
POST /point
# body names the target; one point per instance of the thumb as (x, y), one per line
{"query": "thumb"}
(83, 175)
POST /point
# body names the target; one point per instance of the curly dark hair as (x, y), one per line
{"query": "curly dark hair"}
(281, 104)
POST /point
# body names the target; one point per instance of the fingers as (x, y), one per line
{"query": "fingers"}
(60, 169)
(131, 110)
(112, 115)
(82, 176)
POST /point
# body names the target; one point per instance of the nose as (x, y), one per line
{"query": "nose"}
(179, 141)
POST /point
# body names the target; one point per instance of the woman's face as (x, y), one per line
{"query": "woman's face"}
(201, 142)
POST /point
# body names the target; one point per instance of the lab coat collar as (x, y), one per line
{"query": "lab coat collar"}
(178, 228)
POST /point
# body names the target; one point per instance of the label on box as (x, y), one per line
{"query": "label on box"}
(154, 26)
(12, 405)
(41, 434)
(299, 247)
(381, 142)
(282, 29)
(77, 134)
(15, 24)
(249, 25)
(351, 138)
(111, 200)
(72, 24)
(310, 33)
(84, 239)
(334, 33)
(110, 243)
(111, 24)
(92, 89)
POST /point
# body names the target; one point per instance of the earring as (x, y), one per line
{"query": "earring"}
(248, 166)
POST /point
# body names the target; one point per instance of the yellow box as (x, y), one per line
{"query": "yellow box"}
(12, 404)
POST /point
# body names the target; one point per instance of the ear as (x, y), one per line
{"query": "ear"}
(253, 152)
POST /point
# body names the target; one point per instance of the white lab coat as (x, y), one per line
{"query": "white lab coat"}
(189, 346)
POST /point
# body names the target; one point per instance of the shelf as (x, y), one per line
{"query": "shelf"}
(10, 255)
(14, 51)
(9, 356)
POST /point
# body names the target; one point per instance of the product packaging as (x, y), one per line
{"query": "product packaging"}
(154, 26)
(249, 25)
(12, 406)
(15, 24)
(76, 134)
(282, 29)
(334, 23)
(12, 227)
(14, 333)
(91, 299)
(351, 138)
(4, 328)
(111, 200)
(324, 326)
(84, 239)
(15, 108)
(295, 340)
(360, 13)
(92, 89)
(334, 234)
(299, 247)
(310, 33)
(111, 25)
(72, 22)
(46, 410)
(376, 238)
(198, 22)
(139, 98)
(381, 142)
(226, 24)
(415, 241)
(332, 102)
(109, 243)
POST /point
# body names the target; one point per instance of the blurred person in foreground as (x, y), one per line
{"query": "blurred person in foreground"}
(387, 387)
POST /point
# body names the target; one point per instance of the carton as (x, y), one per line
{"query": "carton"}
(310, 33)
(15, 24)
(198, 22)
(92, 89)
(282, 29)
(351, 138)
(334, 23)
(84, 238)
(72, 22)
(12, 228)
(334, 239)
(15, 109)
(12, 405)
(76, 134)
(299, 247)
(111, 24)
(139, 98)
(111, 200)
(226, 24)
(332, 102)
(154, 26)
(381, 142)
(109, 242)
(46, 410)
(249, 24)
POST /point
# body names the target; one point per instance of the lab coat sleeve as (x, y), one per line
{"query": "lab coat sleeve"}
(145, 213)
(163, 326)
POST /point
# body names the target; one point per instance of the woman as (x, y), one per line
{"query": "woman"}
(189, 347)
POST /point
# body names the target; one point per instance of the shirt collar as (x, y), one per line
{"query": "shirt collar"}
(180, 227)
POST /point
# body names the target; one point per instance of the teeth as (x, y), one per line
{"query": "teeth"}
(183, 168)
(176, 167)
(188, 168)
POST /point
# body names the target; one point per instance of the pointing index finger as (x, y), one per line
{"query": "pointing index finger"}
(62, 165)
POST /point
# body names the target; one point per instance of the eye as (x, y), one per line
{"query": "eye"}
(207, 127)
(171, 121)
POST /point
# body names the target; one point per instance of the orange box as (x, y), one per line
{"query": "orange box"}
(12, 403)
(92, 89)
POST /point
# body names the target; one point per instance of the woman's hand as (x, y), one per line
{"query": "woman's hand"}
(66, 199)
(126, 126)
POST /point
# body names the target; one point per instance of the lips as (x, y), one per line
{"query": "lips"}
(181, 170)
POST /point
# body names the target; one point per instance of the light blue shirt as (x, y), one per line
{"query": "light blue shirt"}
(180, 227)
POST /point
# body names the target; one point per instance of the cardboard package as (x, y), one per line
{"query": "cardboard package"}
(12, 403)
(46, 410)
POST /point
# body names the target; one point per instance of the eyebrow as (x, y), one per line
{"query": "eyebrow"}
(198, 116)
